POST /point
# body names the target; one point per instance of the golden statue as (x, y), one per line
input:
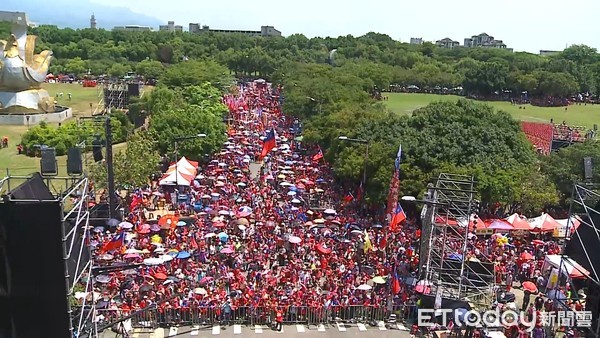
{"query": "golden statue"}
(22, 73)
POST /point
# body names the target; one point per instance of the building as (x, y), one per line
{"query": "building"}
(132, 28)
(264, 31)
(19, 18)
(93, 22)
(447, 43)
(484, 40)
(170, 27)
(416, 41)
(194, 27)
(549, 52)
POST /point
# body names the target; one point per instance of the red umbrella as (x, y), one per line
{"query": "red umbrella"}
(530, 286)
(537, 242)
(160, 276)
(526, 256)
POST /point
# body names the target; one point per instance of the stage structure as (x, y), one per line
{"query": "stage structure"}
(449, 220)
(116, 95)
(72, 193)
(581, 245)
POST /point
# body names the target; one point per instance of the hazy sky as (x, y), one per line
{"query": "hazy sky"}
(525, 25)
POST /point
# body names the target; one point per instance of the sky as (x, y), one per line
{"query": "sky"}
(525, 25)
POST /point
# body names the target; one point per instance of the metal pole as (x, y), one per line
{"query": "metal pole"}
(112, 198)
(176, 174)
(427, 233)
(364, 184)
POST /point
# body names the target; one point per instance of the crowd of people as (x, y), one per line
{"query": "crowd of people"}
(266, 228)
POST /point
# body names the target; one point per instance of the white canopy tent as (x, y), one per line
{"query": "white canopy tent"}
(566, 265)
(177, 178)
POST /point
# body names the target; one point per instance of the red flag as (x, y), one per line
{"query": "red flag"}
(318, 155)
(398, 217)
(268, 144)
(395, 281)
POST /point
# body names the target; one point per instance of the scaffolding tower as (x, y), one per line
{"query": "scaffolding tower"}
(116, 96)
(447, 220)
(73, 194)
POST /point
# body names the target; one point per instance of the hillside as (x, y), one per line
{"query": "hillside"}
(76, 13)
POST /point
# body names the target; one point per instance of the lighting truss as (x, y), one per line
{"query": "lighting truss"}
(450, 214)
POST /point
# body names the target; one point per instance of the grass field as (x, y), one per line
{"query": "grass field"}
(579, 115)
(80, 103)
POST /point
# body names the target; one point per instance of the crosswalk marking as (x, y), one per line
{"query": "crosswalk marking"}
(361, 327)
(173, 331)
(216, 329)
(136, 333)
(258, 329)
(195, 331)
(300, 328)
(237, 329)
(341, 327)
(381, 326)
(402, 327)
(321, 328)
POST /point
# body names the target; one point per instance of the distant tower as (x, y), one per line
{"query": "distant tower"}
(93, 22)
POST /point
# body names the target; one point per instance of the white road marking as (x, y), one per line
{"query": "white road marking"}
(195, 331)
(341, 327)
(402, 327)
(158, 333)
(300, 328)
(321, 328)
(361, 327)
(216, 329)
(237, 329)
(173, 331)
(136, 333)
(381, 326)
(258, 329)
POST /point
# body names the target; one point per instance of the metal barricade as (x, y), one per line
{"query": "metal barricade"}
(259, 315)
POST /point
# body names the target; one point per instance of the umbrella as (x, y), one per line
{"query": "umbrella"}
(526, 256)
(291, 193)
(537, 242)
(132, 256)
(227, 251)
(166, 258)
(242, 221)
(377, 226)
(200, 291)
(183, 255)
(112, 222)
(364, 287)
(379, 280)
(155, 228)
(181, 224)
(160, 276)
(329, 211)
(295, 240)
(153, 261)
(321, 248)
(530, 286)
(103, 279)
(223, 236)
(455, 257)
(125, 225)
(209, 235)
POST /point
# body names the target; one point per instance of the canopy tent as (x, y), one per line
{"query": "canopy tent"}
(573, 225)
(177, 178)
(544, 223)
(518, 222)
(182, 170)
(567, 266)
(184, 163)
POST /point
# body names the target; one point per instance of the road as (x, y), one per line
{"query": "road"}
(299, 331)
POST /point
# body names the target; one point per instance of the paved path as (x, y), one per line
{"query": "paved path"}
(299, 330)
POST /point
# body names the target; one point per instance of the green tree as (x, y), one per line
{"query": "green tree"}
(150, 69)
(192, 73)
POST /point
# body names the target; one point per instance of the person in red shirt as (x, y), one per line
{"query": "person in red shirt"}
(278, 319)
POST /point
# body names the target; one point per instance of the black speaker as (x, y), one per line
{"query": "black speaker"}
(587, 168)
(48, 162)
(97, 151)
(34, 302)
(74, 164)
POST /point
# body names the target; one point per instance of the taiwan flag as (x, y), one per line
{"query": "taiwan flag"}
(398, 217)
(268, 143)
(116, 243)
(395, 283)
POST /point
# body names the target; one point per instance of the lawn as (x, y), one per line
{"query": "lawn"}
(579, 115)
(80, 103)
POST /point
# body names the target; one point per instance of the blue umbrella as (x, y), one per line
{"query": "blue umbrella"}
(183, 255)
(181, 224)
(223, 236)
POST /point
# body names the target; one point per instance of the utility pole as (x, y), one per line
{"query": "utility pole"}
(110, 172)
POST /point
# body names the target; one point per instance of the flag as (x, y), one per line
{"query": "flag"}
(395, 284)
(359, 193)
(398, 217)
(368, 245)
(394, 187)
(116, 243)
(349, 198)
(398, 157)
(269, 143)
(318, 155)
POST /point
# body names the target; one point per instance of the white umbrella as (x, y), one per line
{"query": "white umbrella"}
(153, 261)
(297, 201)
(200, 291)
(125, 225)
(133, 251)
(291, 193)
(294, 239)
(329, 211)
(166, 258)
(209, 235)
(364, 287)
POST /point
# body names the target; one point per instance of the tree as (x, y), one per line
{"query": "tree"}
(133, 166)
(150, 69)
(119, 70)
(202, 113)
(192, 73)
